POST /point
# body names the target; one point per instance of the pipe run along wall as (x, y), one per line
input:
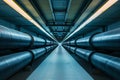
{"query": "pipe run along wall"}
(109, 41)
(10, 64)
(11, 39)
(107, 63)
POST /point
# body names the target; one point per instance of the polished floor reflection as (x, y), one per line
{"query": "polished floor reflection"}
(59, 65)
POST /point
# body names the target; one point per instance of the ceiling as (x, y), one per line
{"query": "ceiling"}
(58, 17)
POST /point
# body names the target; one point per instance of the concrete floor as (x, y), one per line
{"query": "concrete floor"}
(59, 65)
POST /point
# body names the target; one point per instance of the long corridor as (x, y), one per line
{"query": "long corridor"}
(59, 39)
(59, 65)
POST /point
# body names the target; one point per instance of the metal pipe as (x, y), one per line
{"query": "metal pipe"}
(109, 40)
(53, 43)
(12, 39)
(73, 43)
(83, 53)
(38, 42)
(83, 42)
(38, 52)
(73, 49)
(66, 47)
(107, 63)
(48, 48)
(48, 42)
(10, 64)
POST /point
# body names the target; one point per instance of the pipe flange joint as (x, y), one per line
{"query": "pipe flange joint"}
(90, 40)
(32, 41)
(33, 56)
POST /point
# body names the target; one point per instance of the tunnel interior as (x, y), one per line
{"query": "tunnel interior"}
(59, 40)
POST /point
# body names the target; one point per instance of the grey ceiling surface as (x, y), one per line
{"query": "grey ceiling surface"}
(60, 17)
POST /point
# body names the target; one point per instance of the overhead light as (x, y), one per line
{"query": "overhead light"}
(13, 5)
(107, 5)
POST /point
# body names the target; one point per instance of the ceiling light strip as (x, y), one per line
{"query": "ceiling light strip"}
(13, 5)
(107, 5)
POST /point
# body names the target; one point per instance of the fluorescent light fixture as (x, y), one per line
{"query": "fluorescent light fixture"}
(13, 5)
(107, 5)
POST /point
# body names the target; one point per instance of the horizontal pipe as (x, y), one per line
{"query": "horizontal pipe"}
(48, 48)
(83, 42)
(11, 39)
(83, 53)
(109, 41)
(72, 49)
(54, 43)
(38, 42)
(67, 47)
(48, 42)
(10, 64)
(72, 43)
(38, 52)
(107, 63)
